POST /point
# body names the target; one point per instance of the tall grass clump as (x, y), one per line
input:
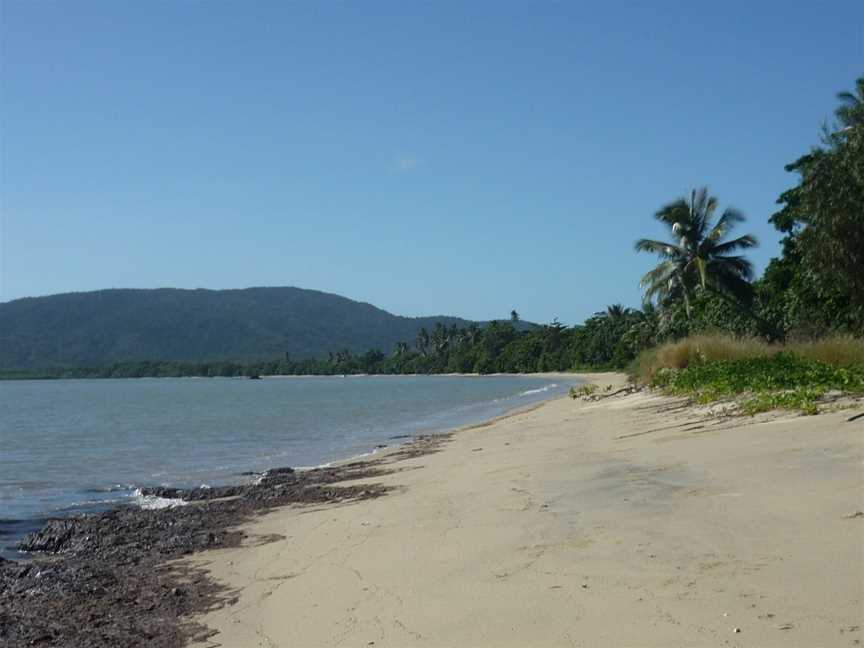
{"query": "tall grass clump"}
(694, 350)
(839, 350)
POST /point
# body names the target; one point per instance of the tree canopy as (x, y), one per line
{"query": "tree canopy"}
(699, 256)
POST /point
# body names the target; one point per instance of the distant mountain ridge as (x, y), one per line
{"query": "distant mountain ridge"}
(98, 328)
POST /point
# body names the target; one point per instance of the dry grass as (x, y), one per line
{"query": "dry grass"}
(697, 348)
(841, 350)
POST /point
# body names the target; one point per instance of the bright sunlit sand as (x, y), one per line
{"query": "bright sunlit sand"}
(631, 521)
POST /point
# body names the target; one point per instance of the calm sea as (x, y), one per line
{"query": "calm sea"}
(69, 446)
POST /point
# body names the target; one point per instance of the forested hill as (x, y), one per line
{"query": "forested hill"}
(98, 328)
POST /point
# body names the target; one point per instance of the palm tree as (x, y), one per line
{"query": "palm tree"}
(851, 113)
(439, 338)
(616, 312)
(422, 341)
(699, 258)
(471, 334)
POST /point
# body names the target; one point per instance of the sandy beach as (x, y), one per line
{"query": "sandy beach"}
(631, 521)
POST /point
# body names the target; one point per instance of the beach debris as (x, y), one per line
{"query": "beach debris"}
(855, 418)
(583, 391)
(856, 514)
(118, 567)
(785, 626)
(284, 470)
(588, 392)
(736, 630)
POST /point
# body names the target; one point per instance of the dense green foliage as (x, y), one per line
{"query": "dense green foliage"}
(817, 285)
(496, 347)
(782, 380)
(814, 288)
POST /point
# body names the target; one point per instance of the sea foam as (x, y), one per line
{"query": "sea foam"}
(539, 390)
(153, 502)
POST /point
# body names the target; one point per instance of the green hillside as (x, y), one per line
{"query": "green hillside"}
(122, 325)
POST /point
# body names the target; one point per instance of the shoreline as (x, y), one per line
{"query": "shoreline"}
(384, 451)
(112, 578)
(110, 495)
(472, 524)
(635, 520)
(124, 553)
(536, 374)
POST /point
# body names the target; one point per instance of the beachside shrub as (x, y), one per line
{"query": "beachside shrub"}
(803, 400)
(785, 380)
(583, 390)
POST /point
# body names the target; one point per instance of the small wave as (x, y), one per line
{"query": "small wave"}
(153, 502)
(93, 504)
(539, 390)
(329, 464)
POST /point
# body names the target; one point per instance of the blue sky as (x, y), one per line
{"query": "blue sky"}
(464, 158)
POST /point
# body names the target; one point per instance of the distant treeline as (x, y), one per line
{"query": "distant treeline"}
(604, 341)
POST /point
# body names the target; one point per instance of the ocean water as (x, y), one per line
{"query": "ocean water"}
(72, 446)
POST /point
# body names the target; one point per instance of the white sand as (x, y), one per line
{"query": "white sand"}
(628, 522)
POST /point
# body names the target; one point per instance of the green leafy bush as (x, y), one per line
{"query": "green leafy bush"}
(784, 380)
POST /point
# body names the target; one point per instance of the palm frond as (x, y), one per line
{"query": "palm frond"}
(674, 213)
(728, 219)
(732, 265)
(851, 112)
(659, 274)
(848, 98)
(740, 243)
(666, 250)
(732, 284)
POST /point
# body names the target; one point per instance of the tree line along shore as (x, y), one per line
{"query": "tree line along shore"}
(707, 326)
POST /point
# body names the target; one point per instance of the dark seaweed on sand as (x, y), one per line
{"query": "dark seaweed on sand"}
(111, 579)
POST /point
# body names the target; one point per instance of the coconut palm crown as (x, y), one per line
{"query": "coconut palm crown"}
(698, 257)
